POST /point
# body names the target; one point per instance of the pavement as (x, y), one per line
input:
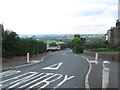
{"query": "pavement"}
(20, 63)
(95, 76)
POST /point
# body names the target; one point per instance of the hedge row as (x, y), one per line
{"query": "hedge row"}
(13, 45)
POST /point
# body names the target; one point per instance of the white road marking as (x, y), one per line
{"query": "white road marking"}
(93, 61)
(32, 79)
(42, 60)
(64, 80)
(8, 73)
(63, 53)
(20, 81)
(46, 81)
(17, 77)
(87, 75)
(47, 74)
(54, 66)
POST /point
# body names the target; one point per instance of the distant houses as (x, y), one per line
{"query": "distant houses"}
(53, 48)
(113, 35)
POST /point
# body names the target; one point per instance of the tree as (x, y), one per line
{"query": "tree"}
(13, 45)
(9, 43)
(78, 44)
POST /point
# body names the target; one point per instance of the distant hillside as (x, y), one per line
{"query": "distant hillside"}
(62, 37)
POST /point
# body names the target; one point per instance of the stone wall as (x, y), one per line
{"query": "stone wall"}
(106, 56)
(115, 35)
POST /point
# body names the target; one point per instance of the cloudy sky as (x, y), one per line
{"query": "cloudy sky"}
(58, 16)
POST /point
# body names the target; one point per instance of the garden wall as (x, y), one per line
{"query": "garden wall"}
(107, 56)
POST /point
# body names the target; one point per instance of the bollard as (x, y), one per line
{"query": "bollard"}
(96, 58)
(28, 58)
(105, 77)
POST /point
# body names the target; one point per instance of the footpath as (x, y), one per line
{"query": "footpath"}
(20, 63)
(95, 76)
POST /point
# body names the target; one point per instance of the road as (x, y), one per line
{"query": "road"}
(61, 69)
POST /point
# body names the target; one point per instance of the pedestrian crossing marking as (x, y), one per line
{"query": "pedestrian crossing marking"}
(54, 66)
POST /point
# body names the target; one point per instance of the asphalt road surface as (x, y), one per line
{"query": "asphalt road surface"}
(61, 69)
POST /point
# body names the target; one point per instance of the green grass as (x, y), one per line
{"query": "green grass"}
(106, 50)
(52, 41)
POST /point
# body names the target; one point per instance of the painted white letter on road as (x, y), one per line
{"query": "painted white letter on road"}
(64, 80)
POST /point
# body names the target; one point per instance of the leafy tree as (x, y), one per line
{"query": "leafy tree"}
(13, 46)
(9, 43)
(96, 44)
(78, 44)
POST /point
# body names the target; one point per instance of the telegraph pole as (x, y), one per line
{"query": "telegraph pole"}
(119, 10)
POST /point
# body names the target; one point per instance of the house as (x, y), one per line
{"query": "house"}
(113, 35)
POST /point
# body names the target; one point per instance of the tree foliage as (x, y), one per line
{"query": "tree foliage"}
(13, 45)
(10, 42)
(96, 44)
(78, 44)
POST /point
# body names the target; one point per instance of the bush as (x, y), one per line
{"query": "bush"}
(78, 49)
(78, 44)
(13, 46)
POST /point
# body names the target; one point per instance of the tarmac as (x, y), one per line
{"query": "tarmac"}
(20, 63)
(95, 76)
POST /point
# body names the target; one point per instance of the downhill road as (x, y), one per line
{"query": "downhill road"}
(61, 69)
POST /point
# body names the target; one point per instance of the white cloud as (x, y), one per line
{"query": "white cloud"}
(57, 16)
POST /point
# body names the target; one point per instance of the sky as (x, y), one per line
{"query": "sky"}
(58, 16)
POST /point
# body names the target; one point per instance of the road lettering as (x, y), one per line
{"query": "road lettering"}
(20, 81)
(47, 81)
(35, 80)
(64, 80)
(17, 77)
(47, 74)
(8, 73)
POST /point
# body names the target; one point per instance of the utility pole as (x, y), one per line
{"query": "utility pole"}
(119, 10)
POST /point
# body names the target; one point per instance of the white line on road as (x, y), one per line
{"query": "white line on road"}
(64, 80)
(54, 66)
(23, 80)
(87, 75)
(20, 81)
(17, 77)
(34, 80)
(8, 73)
(47, 81)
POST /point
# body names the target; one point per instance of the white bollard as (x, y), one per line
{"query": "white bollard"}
(105, 77)
(28, 58)
(96, 58)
